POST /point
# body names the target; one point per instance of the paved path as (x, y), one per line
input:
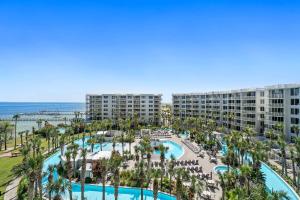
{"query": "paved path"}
(11, 189)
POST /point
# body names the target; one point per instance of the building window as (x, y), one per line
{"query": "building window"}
(294, 111)
(294, 91)
(294, 102)
(294, 120)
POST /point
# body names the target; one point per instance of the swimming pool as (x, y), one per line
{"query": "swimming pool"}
(276, 183)
(221, 169)
(94, 192)
(173, 149)
(273, 180)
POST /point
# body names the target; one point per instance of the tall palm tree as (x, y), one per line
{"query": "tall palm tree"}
(74, 152)
(155, 185)
(92, 141)
(5, 127)
(21, 136)
(68, 167)
(162, 150)
(62, 144)
(101, 140)
(293, 165)
(171, 168)
(16, 118)
(114, 165)
(83, 170)
(32, 166)
(141, 174)
(100, 170)
(130, 139)
(49, 186)
(60, 187)
(246, 176)
(277, 195)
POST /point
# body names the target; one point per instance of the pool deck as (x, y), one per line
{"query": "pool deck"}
(190, 155)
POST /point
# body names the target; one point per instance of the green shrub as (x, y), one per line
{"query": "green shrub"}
(88, 180)
(22, 189)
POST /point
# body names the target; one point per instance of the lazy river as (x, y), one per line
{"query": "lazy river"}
(273, 180)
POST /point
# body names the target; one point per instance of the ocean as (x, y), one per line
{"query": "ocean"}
(29, 112)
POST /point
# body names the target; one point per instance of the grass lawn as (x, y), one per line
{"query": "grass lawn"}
(6, 164)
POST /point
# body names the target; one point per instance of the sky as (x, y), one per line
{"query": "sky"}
(60, 50)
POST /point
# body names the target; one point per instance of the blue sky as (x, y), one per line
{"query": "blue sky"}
(59, 50)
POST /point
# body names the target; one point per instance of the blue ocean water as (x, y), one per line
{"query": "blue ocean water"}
(7, 109)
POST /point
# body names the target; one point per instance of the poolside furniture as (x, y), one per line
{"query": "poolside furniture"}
(206, 194)
(211, 183)
(213, 160)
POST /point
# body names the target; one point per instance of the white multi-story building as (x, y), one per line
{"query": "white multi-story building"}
(115, 106)
(259, 108)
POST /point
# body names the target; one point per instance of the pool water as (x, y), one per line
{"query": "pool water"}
(173, 149)
(94, 192)
(273, 180)
(221, 169)
(276, 183)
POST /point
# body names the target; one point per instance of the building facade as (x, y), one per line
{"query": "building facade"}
(115, 106)
(259, 108)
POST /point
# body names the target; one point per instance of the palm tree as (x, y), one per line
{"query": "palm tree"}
(282, 144)
(21, 136)
(180, 174)
(141, 174)
(5, 127)
(171, 168)
(130, 139)
(83, 170)
(162, 150)
(68, 167)
(74, 151)
(278, 195)
(155, 186)
(114, 164)
(60, 187)
(101, 140)
(62, 144)
(222, 184)
(293, 165)
(100, 170)
(246, 176)
(32, 166)
(49, 186)
(16, 117)
(39, 174)
(92, 142)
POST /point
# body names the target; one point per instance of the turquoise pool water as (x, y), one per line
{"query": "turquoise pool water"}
(173, 148)
(273, 180)
(221, 169)
(94, 192)
(276, 183)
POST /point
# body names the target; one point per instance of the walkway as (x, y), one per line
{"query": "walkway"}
(12, 189)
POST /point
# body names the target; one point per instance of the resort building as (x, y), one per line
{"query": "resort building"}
(146, 107)
(259, 108)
